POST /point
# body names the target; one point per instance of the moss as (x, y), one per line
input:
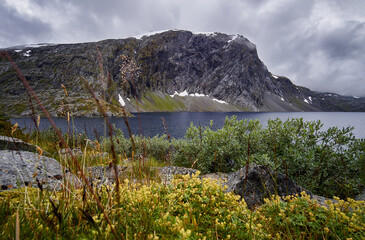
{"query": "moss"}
(18, 108)
(164, 102)
(8, 75)
(161, 103)
(298, 103)
(17, 195)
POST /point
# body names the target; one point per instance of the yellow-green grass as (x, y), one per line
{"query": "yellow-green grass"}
(188, 208)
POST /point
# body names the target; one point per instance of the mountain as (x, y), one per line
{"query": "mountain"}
(167, 71)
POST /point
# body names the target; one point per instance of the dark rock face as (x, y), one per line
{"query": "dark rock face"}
(260, 184)
(21, 168)
(224, 67)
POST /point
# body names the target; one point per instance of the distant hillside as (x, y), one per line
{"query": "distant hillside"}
(168, 71)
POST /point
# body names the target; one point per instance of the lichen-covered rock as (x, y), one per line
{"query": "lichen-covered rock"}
(10, 143)
(104, 174)
(22, 168)
(260, 183)
(167, 173)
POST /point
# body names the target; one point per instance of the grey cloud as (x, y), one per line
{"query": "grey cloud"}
(287, 33)
(16, 29)
(346, 41)
(327, 61)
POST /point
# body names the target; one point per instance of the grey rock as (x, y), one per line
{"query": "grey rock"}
(260, 184)
(216, 176)
(22, 168)
(172, 170)
(167, 173)
(10, 143)
(75, 151)
(104, 174)
(361, 196)
(322, 200)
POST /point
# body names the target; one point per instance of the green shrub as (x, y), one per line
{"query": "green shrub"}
(303, 218)
(327, 162)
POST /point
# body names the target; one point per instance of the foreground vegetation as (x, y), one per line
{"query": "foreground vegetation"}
(329, 162)
(189, 208)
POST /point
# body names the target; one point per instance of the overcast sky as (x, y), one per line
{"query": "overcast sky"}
(319, 44)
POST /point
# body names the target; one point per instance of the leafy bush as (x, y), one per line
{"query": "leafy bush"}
(327, 162)
(223, 150)
(303, 218)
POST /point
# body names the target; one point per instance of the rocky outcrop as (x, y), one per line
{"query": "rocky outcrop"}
(218, 66)
(10, 143)
(106, 174)
(260, 183)
(22, 168)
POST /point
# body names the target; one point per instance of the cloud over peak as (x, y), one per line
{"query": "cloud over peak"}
(317, 44)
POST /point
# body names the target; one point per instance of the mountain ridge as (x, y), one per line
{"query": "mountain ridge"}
(149, 70)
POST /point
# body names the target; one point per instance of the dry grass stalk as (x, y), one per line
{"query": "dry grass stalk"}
(31, 92)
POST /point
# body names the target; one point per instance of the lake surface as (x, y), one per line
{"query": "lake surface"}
(150, 124)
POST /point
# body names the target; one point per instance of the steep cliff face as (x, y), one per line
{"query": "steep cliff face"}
(216, 72)
(221, 66)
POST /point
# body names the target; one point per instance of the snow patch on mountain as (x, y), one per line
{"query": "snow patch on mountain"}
(121, 101)
(185, 94)
(219, 101)
(233, 37)
(149, 34)
(27, 53)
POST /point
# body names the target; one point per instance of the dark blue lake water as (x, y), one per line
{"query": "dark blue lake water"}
(150, 124)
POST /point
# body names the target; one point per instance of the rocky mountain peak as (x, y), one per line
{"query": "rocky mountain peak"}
(147, 70)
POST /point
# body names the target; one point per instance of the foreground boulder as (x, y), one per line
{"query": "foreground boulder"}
(22, 168)
(260, 183)
(106, 174)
